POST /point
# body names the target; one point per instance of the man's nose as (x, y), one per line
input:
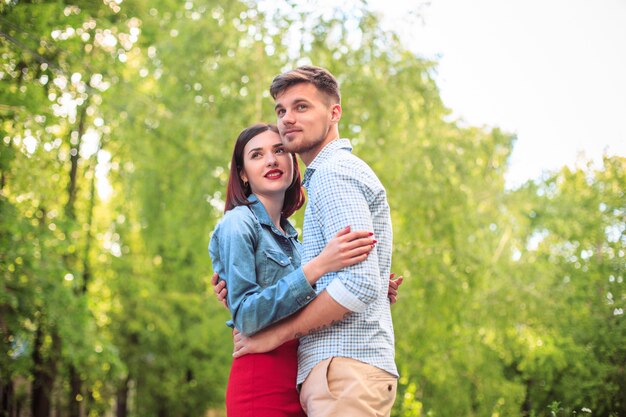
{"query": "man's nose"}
(288, 117)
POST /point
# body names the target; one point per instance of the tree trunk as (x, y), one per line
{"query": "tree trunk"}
(44, 372)
(75, 381)
(6, 398)
(75, 392)
(122, 398)
(72, 186)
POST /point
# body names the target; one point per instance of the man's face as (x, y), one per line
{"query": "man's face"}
(306, 118)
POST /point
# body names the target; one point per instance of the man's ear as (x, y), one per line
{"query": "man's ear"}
(335, 114)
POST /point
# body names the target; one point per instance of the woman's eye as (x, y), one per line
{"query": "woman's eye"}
(255, 155)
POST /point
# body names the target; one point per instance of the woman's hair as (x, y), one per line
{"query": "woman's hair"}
(237, 193)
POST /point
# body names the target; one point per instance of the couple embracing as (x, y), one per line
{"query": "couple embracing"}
(313, 330)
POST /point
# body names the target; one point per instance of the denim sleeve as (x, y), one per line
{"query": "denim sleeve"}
(253, 307)
(340, 200)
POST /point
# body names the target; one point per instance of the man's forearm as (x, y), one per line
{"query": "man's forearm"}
(321, 313)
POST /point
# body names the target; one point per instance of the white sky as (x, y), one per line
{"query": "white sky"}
(551, 71)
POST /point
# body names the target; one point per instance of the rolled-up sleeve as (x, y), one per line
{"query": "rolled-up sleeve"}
(357, 286)
(232, 250)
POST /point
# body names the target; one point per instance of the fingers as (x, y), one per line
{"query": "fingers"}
(392, 292)
(359, 234)
(343, 232)
(214, 279)
(358, 252)
(395, 283)
(355, 260)
(221, 296)
(219, 287)
(240, 352)
(365, 242)
(239, 341)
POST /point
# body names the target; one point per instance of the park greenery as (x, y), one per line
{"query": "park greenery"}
(117, 120)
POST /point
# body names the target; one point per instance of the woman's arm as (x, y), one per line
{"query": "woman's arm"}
(253, 307)
(219, 288)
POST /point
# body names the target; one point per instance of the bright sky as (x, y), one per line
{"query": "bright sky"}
(551, 71)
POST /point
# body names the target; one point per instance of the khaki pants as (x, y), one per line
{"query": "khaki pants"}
(345, 387)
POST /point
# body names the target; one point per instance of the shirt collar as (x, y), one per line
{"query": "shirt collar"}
(323, 156)
(264, 218)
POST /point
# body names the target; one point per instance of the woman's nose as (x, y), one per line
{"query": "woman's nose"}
(271, 159)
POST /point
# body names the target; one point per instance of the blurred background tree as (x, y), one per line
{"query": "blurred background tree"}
(117, 123)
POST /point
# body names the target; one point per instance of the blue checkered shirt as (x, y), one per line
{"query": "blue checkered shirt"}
(343, 190)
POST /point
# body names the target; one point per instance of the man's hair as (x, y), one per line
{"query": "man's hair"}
(321, 78)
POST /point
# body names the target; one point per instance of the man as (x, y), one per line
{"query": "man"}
(346, 361)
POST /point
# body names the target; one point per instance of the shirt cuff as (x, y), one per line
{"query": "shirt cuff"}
(300, 288)
(343, 296)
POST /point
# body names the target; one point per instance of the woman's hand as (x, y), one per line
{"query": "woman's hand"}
(219, 287)
(392, 290)
(345, 249)
(261, 342)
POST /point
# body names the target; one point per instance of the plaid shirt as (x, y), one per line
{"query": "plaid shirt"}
(343, 190)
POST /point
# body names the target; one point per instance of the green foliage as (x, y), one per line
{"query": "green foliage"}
(117, 124)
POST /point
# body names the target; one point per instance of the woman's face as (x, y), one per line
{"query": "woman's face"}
(266, 165)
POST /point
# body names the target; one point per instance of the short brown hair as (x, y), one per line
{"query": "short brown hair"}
(321, 78)
(237, 192)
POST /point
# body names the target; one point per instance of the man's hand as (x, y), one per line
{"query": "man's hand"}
(261, 342)
(220, 289)
(394, 284)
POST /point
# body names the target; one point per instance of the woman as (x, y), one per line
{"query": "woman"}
(255, 249)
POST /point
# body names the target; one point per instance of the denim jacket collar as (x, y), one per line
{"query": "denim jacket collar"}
(264, 218)
(324, 154)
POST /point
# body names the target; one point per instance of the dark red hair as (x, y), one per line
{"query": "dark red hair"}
(237, 193)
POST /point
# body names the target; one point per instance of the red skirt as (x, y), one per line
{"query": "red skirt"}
(264, 384)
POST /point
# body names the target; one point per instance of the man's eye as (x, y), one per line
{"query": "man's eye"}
(301, 106)
(280, 112)
(280, 150)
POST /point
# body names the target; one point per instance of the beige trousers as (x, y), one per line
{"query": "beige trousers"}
(345, 387)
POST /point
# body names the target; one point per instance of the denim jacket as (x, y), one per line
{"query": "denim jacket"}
(261, 267)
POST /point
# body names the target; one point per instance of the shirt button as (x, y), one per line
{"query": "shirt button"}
(308, 297)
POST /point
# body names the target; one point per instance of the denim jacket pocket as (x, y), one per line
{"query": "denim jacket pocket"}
(276, 266)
